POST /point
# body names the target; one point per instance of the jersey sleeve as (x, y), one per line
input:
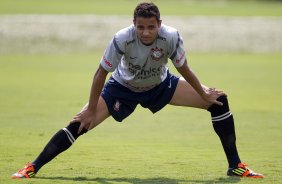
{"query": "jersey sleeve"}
(112, 55)
(177, 52)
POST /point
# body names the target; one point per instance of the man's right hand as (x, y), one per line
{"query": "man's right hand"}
(86, 117)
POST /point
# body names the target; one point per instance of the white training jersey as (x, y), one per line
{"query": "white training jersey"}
(139, 67)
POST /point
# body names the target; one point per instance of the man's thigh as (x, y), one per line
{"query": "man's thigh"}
(185, 95)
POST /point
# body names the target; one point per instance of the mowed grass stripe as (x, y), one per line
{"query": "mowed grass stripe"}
(125, 7)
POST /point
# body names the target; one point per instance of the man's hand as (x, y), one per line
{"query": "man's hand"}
(86, 117)
(211, 94)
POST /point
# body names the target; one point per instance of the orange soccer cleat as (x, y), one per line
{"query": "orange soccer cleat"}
(243, 171)
(27, 172)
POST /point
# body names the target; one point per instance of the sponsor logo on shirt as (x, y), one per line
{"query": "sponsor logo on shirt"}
(141, 73)
(157, 53)
(107, 62)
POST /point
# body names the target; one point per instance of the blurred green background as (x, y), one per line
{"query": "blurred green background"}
(125, 7)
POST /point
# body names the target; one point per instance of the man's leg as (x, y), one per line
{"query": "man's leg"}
(222, 120)
(223, 125)
(60, 142)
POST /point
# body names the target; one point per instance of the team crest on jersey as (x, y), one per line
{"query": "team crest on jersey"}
(117, 105)
(157, 53)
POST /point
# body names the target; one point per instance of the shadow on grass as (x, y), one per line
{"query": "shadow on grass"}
(160, 180)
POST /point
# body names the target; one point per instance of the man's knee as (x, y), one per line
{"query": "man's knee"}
(72, 130)
(217, 110)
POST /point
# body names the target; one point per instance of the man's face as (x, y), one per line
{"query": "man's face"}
(147, 29)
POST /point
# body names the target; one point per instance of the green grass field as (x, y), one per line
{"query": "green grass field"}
(125, 7)
(40, 94)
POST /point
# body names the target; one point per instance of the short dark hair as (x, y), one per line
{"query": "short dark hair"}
(147, 10)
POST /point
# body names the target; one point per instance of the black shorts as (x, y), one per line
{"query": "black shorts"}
(121, 101)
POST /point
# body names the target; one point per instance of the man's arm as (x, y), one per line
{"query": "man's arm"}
(96, 88)
(209, 95)
(87, 116)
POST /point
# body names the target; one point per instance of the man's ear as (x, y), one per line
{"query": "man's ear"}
(160, 23)
(134, 22)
